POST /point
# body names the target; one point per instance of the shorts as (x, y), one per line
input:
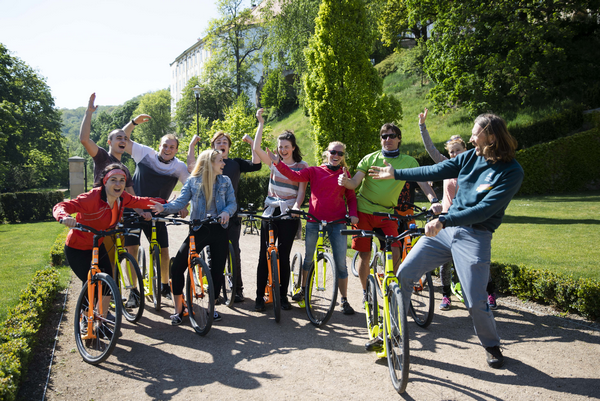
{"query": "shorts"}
(162, 235)
(370, 222)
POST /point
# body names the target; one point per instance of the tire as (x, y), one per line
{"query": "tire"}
(131, 288)
(275, 286)
(422, 301)
(95, 351)
(141, 257)
(455, 286)
(200, 297)
(156, 280)
(371, 306)
(396, 338)
(378, 264)
(296, 274)
(230, 278)
(321, 290)
(355, 263)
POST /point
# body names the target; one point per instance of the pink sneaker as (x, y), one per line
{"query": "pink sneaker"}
(445, 305)
(492, 302)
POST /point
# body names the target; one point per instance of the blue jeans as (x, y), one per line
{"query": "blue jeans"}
(338, 245)
(471, 251)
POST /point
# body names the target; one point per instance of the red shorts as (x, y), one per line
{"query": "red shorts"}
(370, 222)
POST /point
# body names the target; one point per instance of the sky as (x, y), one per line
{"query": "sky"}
(117, 49)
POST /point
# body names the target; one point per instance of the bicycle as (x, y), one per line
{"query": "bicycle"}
(392, 325)
(96, 332)
(321, 287)
(250, 223)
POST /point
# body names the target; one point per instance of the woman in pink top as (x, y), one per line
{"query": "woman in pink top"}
(328, 202)
(455, 146)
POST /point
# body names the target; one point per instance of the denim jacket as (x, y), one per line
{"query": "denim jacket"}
(192, 190)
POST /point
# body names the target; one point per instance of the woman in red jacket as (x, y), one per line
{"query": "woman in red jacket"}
(100, 208)
(327, 202)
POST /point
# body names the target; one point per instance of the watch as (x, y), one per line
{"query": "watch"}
(442, 219)
(435, 200)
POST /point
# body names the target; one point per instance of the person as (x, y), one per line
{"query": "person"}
(488, 177)
(100, 208)
(380, 196)
(327, 203)
(212, 194)
(233, 169)
(156, 174)
(454, 146)
(283, 194)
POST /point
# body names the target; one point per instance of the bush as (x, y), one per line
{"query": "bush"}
(57, 252)
(27, 206)
(564, 165)
(252, 188)
(18, 333)
(389, 65)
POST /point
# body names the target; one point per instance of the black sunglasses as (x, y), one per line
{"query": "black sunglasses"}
(389, 136)
(336, 152)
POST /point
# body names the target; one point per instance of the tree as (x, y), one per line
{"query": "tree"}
(235, 41)
(507, 54)
(396, 19)
(158, 106)
(343, 90)
(277, 94)
(31, 145)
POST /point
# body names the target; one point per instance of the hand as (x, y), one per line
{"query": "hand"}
(436, 208)
(183, 213)
(353, 220)
(343, 178)
(433, 228)
(69, 222)
(91, 108)
(146, 215)
(248, 139)
(195, 140)
(382, 173)
(295, 207)
(157, 207)
(274, 158)
(259, 116)
(423, 117)
(142, 118)
(224, 216)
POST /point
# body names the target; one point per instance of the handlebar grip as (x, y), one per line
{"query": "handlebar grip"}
(351, 232)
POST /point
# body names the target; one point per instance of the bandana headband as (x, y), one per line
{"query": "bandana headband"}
(113, 172)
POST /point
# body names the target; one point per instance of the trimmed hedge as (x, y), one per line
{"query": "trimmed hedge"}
(581, 296)
(57, 252)
(565, 165)
(252, 188)
(27, 206)
(18, 333)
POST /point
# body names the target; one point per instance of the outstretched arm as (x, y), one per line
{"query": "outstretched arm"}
(262, 155)
(382, 173)
(350, 183)
(86, 126)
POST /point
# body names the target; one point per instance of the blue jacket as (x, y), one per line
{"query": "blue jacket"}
(192, 190)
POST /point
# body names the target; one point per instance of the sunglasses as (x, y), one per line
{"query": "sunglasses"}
(388, 136)
(336, 152)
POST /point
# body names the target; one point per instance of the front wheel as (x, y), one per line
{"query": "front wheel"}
(296, 274)
(396, 337)
(96, 339)
(422, 301)
(275, 285)
(230, 277)
(131, 286)
(356, 263)
(321, 290)
(378, 265)
(371, 305)
(200, 297)
(156, 280)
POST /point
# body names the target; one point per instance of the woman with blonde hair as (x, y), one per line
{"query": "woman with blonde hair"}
(210, 193)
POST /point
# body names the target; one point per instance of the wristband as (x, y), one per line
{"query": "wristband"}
(133, 122)
(442, 220)
(435, 200)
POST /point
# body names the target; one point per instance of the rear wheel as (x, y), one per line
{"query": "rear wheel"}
(200, 297)
(230, 277)
(321, 290)
(396, 337)
(131, 286)
(275, 285)
(371, 305)
(156, 281)
(296, 274)
(378, 264)
(96, 339)
(356, 263)
(421, 303)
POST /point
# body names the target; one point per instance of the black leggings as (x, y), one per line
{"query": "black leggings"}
(80, 261)
(213, 235)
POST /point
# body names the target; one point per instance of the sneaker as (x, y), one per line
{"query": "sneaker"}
(445, 305)
(260, 305)
(376, 344)
(494, 357)
(239, 297)
(285, 304)
(176, 319)
(166, 291)
(492, 302)
(220, 301)
(217, 317)
(134, 299)
(346, 308)
(111, 317)
(299, 296)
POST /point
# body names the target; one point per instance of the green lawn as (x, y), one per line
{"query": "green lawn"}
(24, 249)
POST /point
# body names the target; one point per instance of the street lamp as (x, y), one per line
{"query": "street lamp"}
(197, 90)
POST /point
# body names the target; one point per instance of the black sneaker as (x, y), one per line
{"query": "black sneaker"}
(166, 291)
(494, 357)
(260, 305)
(176, 319)
(346, 308)
(239, 297)
(376, 344)
(299, 296)
(217, 317)
(285, 304)
(133, 301)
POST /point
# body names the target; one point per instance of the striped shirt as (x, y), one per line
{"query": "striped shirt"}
(281, 187)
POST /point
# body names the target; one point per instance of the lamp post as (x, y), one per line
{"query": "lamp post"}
(197, 90)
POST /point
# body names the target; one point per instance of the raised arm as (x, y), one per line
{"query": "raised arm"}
(128, 129)
(191, 156)
(427, 142)
(260, 153)
(86, 126)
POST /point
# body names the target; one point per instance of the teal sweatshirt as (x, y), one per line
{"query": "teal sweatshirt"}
(484, 189)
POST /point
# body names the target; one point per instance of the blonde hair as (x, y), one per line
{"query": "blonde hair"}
(219, 134)
(331, 144)
(203, 168)
(454, 139)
